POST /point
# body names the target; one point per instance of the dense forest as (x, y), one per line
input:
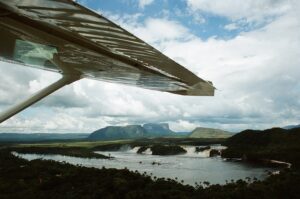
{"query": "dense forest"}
(276, 143)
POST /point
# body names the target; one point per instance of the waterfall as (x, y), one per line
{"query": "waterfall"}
(148, 152)
(134, 149)
(125, 147)
(191, 152)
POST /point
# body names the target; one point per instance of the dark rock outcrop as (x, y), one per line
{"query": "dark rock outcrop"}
(214, 152)
(167, 150)
(201, 149)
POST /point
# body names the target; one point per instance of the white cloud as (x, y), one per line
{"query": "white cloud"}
(144, 3)
(183, 126)
(198, 18)
(151, 29)
(257, 11)
(231, 26)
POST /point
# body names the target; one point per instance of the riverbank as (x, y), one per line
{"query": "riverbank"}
(85, 149)
(278, 147)
(67, 151)
(191, 167)
(20, 178)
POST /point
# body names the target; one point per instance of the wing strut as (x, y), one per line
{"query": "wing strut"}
(65, 80)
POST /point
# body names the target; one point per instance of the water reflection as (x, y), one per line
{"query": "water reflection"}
(191, 167)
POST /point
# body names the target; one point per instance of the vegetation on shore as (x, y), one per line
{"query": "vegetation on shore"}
(271, 144)
(67, 151)
(86, 149)
(167, 150)
(157, 149)
(20, 178)
(116, 144)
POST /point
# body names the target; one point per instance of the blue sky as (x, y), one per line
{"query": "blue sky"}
(249, 49)
(178, 10)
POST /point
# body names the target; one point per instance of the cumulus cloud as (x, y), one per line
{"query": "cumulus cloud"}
(231, 26)
(144, 3)
(247, 11)
(14, 82)
(151, 29)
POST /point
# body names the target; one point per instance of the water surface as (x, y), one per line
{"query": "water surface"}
(191, 167)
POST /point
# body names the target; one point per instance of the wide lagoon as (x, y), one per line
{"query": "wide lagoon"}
(190, 168)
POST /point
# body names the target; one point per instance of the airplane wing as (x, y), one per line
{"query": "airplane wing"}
(66, 37)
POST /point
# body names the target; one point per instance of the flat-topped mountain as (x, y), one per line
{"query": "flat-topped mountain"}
(132, 132)
(201, 132)
(119, 132)
(158, 129)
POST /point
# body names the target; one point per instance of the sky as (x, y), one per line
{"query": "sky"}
(249, 49)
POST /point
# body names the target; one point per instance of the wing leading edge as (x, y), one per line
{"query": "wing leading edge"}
(63, 36)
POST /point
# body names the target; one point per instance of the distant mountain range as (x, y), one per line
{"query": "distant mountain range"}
(149, 130)
(153, 130)
(201, 132)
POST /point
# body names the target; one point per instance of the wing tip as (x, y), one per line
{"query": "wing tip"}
(199, 89)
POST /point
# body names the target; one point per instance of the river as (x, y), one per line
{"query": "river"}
(189, 168)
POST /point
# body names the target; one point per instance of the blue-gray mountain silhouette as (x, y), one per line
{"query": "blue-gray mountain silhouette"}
(132, 132)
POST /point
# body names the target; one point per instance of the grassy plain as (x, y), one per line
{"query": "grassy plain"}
(82, 144)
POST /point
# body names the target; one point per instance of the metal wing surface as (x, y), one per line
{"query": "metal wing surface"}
(64, 36)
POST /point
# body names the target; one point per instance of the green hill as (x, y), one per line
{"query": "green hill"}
(291, 126)
(201, 132)
(276, 144)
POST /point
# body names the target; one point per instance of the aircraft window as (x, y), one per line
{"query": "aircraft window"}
(34, 53)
